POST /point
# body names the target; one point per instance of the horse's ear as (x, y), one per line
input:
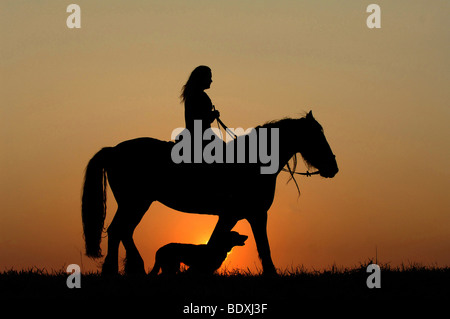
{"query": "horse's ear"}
(309, 115)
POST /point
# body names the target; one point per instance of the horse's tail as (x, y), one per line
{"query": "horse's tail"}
(93, 203)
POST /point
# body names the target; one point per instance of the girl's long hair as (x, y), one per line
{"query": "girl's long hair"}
(195, 80)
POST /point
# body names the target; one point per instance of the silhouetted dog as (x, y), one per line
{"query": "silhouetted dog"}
(201, 259)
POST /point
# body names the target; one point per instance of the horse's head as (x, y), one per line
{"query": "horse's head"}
(315, 149)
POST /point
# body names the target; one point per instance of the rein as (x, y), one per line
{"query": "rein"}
(307, 173)
(221, 124)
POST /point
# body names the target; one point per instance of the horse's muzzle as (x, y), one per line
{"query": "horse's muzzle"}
(329, 172)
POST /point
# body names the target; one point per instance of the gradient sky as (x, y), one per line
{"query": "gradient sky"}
(381, 95)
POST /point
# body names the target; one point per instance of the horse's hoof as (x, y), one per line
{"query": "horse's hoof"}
(270, 273)
(109, 270)
(134, 268)
(135, 272)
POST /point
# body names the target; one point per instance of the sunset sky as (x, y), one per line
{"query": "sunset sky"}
(382, 96)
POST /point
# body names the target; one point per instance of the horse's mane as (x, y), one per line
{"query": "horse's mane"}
(281, 122)
(291, 123)
(285, 122)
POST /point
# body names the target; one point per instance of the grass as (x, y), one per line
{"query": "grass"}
(292, 287)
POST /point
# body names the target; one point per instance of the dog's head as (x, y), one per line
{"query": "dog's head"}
(237, 239)
(227, 241)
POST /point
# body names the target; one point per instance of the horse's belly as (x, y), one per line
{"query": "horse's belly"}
(193, 201)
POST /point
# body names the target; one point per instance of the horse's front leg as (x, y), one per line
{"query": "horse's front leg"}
(223, 226)
(259, 228)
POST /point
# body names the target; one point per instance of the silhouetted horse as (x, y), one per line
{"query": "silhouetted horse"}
(141, 171)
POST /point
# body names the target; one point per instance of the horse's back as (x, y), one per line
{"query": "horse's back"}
(144, 143)
(144, 149)
(134, 164)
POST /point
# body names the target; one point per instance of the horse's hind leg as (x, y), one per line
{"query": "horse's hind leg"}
(111, 265)
(121, 229)
(134, 264)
